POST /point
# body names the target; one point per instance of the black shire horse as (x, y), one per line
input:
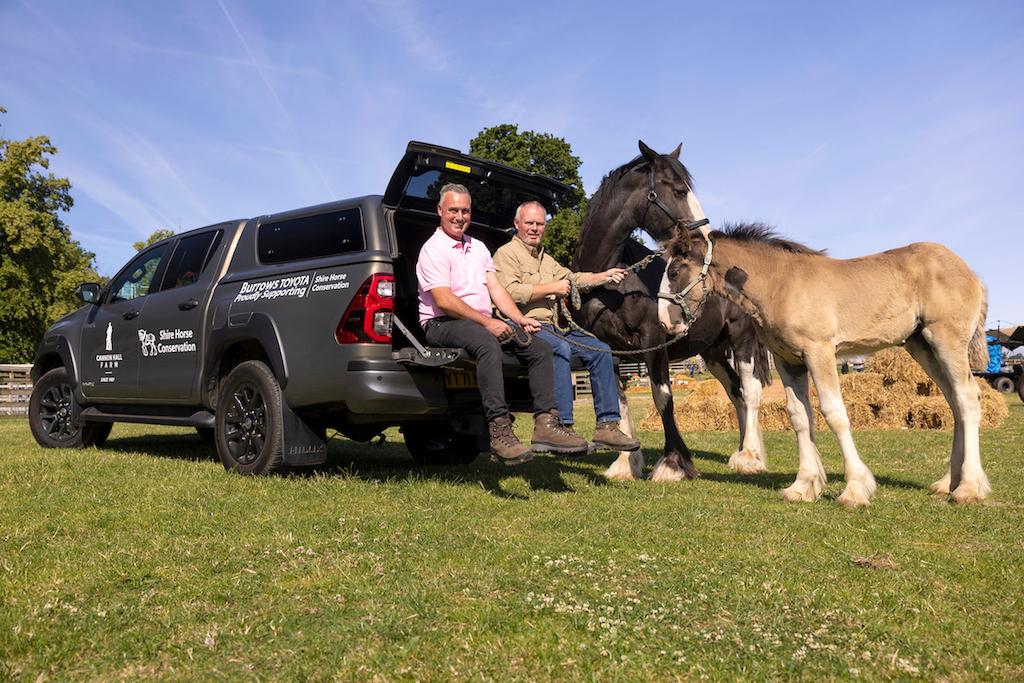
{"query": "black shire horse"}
(654, 191)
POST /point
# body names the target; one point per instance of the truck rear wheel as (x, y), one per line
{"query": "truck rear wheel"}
(1003, 385)
(51, 415)
(436, 443)
(1020, 386)
(249, 431)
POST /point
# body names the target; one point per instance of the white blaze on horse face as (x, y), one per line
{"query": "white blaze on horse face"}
(697, 211)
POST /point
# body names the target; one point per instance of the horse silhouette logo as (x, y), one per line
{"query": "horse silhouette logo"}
(148, 341)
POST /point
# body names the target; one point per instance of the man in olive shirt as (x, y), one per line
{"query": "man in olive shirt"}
(536, 281)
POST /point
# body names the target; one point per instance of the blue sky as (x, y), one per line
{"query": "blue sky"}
(856, 126)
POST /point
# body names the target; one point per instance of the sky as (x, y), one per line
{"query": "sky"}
(852, 126)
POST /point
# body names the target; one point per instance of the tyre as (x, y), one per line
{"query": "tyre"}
(50, 411)
(1003, 385)
(1020, 386)
(436, 443)
(207, 434)
(249, 430)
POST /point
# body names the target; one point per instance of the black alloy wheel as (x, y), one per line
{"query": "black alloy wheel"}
(246, 424)
(249, 425)
(56, 413)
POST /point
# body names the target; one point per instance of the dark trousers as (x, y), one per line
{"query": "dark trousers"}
(488, 351)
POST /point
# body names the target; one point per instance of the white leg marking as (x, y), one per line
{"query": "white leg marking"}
(630, 464)
(810, 476)
(667, 471)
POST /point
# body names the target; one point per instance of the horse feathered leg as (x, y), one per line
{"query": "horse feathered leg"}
(744, 391)
(944, 352)
(860, 483)
(630, 464)
(810, 476)
(677, 463)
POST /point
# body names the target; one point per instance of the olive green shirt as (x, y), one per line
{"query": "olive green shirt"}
(519, 267)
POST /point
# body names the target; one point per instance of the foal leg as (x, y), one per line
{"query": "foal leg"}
(967, 480)
(810, 476)
(630, 464)
(919, 349)
(745, 394)
(860, 483)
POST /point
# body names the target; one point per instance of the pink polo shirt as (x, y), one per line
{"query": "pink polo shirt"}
(460, 266)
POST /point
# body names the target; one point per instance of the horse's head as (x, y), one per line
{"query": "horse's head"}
(662, 197)
(685, 285)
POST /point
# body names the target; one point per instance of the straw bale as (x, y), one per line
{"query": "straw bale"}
(893, 393)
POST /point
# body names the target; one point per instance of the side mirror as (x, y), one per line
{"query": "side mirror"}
(89, 292)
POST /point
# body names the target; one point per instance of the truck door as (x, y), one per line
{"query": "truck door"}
(111, 344)
(173, 318)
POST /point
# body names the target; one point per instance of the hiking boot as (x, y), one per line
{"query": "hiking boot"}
(549, 434)
(608, 435)
(505, 445)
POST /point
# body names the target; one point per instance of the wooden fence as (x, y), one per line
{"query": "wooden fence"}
(15, 389)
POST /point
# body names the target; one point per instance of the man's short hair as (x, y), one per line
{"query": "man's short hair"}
(532, 202)
(456, 188)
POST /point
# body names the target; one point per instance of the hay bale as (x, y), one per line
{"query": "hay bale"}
(892, 393)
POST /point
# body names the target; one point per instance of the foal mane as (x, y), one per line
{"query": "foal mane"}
(763, 234)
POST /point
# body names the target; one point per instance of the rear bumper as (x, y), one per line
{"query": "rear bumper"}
(387, 388)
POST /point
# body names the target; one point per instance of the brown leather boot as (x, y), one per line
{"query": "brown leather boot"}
(505, 445)
(608, 435)
(549, 434)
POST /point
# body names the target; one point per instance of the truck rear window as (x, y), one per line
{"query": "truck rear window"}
(309, 237)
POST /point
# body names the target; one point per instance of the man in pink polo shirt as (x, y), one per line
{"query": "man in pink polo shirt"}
(457, 289)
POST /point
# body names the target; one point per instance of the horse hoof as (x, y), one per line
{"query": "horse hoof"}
(967, 493)
(665, 471)
(941, 487)
(801, 492)
(746, 462)
(854, 496)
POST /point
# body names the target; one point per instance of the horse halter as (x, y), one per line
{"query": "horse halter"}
(679, 298)
(677, 222)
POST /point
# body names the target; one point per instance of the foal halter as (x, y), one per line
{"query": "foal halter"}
(679, 298)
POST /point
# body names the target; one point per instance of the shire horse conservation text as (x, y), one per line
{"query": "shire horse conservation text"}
(654, 191)
(808, 307)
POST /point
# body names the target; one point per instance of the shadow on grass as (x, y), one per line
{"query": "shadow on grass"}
(390, 462)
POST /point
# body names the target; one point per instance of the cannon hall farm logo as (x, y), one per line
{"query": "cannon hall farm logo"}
(166, 341)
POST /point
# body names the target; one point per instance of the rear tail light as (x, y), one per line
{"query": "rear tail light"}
(367, 319)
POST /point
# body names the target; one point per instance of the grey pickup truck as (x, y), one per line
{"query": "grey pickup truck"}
(266, 332)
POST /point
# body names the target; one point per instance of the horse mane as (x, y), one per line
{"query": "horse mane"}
(763, 234)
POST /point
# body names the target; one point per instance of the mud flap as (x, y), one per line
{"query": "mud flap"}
(302, 444)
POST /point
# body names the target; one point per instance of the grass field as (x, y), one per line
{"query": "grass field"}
(146, 560)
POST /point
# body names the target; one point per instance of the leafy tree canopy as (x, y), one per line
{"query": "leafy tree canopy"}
(40, 265)
(547, 155)
(154, 237)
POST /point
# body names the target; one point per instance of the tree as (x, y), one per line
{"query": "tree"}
(154, 237)
(547, 155)
(40, 265)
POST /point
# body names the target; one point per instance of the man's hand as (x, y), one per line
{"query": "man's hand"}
(614, 275)
(499, 329)
(530, 325)
(560, 288)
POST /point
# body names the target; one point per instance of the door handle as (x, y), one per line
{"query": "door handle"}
(131, 315)
(188, 305)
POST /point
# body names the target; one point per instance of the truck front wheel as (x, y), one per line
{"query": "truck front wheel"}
(249, 429)
(51, 415)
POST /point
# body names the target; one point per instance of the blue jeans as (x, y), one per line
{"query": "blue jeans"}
(603, 381)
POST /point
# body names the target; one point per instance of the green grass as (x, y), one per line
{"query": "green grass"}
(145, 559)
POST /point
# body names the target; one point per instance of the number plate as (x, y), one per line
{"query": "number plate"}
(460, 379)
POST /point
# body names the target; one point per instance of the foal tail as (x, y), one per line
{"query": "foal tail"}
(762, 365)
(978, 349)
